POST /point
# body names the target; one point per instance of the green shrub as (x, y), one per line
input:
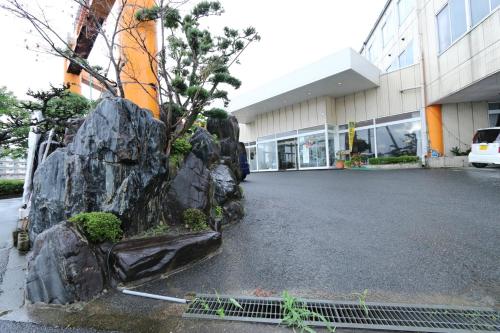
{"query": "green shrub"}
(181, 146)
(160, 229)
(218, 212)
(393, 160)
(195, 219)
(99, 226)
(11, 187)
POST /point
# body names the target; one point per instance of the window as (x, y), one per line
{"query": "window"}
(443, 23)
(267, 156)
(312, 151)
(405, 7)
(458, 19)
(399, 139)
(363, 143)
(478, 10)
(252, 158)
(406, 57)
(487, 136)
(393, 66)
(388, 29)
(494, 4)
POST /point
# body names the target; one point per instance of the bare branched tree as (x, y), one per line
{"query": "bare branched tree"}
(191, 64)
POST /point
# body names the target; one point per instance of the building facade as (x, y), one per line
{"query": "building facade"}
(426, 78)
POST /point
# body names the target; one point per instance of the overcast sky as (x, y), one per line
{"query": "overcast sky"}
(294, 33)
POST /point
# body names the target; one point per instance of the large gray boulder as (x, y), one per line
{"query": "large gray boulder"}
(228, 132)
(115, 163)
(224, 128)
(225, 184)
(190, 188)
(205, 147)
(63, 268)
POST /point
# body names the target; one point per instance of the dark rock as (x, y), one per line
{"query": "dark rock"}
(190, 188)
(116, 163)
(231, 156)
(233, 211)
(225, 184)
(205, 147)
(72, 129)
(63, 268)
(48, 200)
(224, 128)
(138, 259)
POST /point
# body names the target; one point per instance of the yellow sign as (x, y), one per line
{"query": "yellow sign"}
(352, 131)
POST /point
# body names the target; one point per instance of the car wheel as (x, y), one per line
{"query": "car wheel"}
(479, 165)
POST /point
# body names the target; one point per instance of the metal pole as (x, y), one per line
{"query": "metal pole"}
(153, 296)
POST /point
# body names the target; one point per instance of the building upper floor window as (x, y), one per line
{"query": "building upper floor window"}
(388, 29)
(406, 57)
(404, 8)
(452, 20)
(452, 23)
(479, 9)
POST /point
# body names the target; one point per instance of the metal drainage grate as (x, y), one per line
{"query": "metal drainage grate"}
(398, 317)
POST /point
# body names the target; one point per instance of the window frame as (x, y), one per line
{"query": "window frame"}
(468, 17)
(402, 19)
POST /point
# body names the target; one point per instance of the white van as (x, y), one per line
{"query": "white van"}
(485, 147)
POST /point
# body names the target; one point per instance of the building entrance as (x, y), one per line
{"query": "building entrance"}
(287, 154)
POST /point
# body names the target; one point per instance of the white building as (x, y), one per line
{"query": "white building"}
(426, 78)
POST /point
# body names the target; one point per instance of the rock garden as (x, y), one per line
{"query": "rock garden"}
(111, 207)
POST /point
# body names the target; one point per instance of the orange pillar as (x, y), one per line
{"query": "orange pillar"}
(73, 80)
(435, 129)
(138, 48)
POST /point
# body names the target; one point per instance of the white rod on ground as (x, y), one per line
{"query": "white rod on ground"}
(160, 297)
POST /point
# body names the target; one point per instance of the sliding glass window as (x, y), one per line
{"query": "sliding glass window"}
(312, 151)
(363, 144)
(399, 139)
(267, 155)
(478, 10)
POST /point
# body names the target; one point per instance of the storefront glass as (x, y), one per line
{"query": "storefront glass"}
(363, 142)
(312, 149)
(252, 158)
(399, 139)
(331, 147)
(267, 155)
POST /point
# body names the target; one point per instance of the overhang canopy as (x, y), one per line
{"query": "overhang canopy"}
(487, 89)
(340, 74)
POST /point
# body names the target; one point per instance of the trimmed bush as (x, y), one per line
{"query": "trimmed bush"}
(195, 219)
(393, 160)
(181, 146)
(10, 187)
(216, 114)
(99, 227)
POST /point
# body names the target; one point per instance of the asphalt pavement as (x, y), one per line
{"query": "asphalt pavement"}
(408, 236)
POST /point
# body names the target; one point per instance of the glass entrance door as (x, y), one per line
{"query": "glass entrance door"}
(287, 154)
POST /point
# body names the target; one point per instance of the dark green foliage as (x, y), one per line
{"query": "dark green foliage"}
(179, 85)
(393, 160)
(181, 146)
(147, 14)
(99, 227)
(458, 152)
(195, 219)
(10, 187)
(216, 113)
(226, 78)
(58, 107)
(196, 92)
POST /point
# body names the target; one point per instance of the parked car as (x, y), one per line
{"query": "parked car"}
(485, 147)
